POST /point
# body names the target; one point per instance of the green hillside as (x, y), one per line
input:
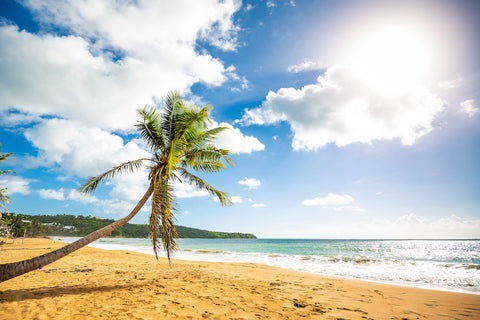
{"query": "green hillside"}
(78, 226)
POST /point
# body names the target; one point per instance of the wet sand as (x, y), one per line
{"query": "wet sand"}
(103, 284)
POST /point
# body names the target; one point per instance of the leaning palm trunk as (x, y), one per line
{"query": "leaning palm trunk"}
(14, 269)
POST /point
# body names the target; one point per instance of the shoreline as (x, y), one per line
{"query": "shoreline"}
(115, 284)
(278, 260)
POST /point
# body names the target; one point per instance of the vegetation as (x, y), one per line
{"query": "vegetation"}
(79, 226)
(5, 228)
(4, 198)
(180, 138)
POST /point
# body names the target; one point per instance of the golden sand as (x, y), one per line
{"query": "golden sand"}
(102, 284)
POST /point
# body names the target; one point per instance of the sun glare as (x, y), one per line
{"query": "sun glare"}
(391, 56)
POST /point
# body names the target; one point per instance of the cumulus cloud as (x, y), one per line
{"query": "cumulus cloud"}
(81, 197)
(16, 184)
(304, 66)
(335, 201)
(234, 140)
(330, 199)
(236, 199)
(130, 187)
(258, 205)
(110, 206)
(114, 56)
(71, 194)
(78, 149)
(251, 183)
(52, 194)
(185, 190)
(116, 207)
(468, 107)
(12, 118)
(342, 108)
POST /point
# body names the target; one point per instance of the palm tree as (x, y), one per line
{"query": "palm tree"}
(3, 199)
(180, 138)
(3, 191)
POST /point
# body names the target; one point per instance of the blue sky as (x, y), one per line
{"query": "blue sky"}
(349, 119)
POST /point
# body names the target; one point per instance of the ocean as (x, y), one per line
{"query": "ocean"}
(451, 265)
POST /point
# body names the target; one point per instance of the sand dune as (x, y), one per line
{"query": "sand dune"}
(93, 283)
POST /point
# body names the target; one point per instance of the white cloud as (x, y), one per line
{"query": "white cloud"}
(236, 199)
(251, 183)
(52, 194)
(342, 108)
(248, 7)
(271, 4)
(110, 206)
(468, 107)
(329, 200)
(71, 194)
(258, 205)
(335, 201)
(304, 66)
(78, 149)
(185, 190)
(82, 197)
(16, 184)
(13, 119)
(130, 187)
(451, 84)
(115, 58)
(234, 140)
(115, 207)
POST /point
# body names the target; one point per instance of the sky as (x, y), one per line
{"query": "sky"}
(348, 119)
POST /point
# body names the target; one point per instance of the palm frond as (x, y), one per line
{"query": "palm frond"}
(4, 199)
(212, 154)
(5, 155)
(3, 196)
(191, 122)
(150, 128)
(6, 172)
(205, 137)
(93, 182)
(199, 183)
(173, 104)
(3, 208)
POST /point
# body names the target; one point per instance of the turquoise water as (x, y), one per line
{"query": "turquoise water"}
(452, 265)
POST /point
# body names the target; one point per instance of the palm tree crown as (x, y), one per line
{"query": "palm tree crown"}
(180, 138)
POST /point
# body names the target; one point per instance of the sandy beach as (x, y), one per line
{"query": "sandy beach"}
(102, 284)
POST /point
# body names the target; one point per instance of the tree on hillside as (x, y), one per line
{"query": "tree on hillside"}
(180, 138)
